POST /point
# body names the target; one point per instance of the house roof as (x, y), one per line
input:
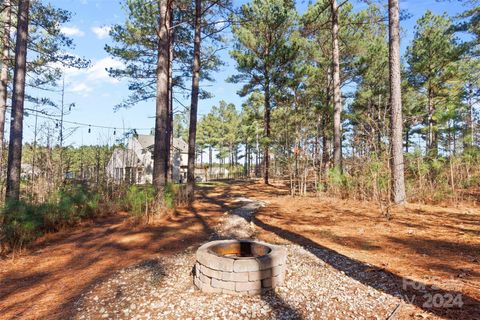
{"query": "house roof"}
(181, 145)
(147, 141)
(127, 157)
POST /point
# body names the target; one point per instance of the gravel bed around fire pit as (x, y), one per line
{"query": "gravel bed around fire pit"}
(163, 289)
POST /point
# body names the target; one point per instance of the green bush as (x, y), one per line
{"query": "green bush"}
(24, 221)
(138, 198)
(171, 194)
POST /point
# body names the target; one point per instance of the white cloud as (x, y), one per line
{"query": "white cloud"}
(72, 31)
(80, 88)
(101, 32)
(83, 81)
(98, 72)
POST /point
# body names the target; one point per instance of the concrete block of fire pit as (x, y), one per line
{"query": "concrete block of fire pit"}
(278, 270)
(234, 276)
(246, 265)
(259, 275)
(205, 287)
(239, 266)
(248, 286)
(228, 285)
(211, 273)
(273, 281)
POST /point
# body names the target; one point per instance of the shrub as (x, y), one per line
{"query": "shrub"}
(138, 198)
(141, 201)
(174, 194)
(24, 221)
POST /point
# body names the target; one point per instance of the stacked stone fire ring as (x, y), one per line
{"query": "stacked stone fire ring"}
(239, 267)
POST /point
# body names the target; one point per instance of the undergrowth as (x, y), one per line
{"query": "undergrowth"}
(25, 220)
(441, 180)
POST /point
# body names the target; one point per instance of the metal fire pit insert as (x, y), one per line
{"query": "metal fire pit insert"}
(239, 267)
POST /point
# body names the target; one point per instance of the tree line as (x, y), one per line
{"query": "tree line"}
(329, 92)
(329, 99)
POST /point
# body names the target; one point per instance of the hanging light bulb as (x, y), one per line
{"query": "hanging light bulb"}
(89, 128)
(56, 125)
(114, 131)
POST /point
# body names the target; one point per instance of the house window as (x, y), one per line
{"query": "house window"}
(118, 174)
(131, 175)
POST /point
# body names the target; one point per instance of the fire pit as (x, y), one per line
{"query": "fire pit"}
(239, 267)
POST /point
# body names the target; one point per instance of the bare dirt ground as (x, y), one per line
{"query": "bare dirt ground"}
(425, 254)
(45, 281)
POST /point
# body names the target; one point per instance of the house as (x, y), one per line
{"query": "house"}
(135, 163)
(203, 174)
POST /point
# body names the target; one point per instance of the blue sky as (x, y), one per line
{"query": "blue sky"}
(95, 94)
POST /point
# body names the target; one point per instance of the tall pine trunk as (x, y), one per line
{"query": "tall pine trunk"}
(326, 141)
(170, 100)
(4, 70)
(432, 145)
(396, 139)
(337, 95)
(18, 97)
(160, 149)
(470, 123)
(266, 133)
(192, 130)
(245, 164)
(210, 161)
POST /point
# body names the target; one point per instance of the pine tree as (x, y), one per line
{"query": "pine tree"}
(194, 102)
(263, 53)
(397, 165)
(337, 93)
(5, 60)
(18, 98)
(433, 68)
(48, 52)
(160, 151)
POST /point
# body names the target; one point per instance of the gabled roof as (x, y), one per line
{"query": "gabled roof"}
(147, 141)
(181, 145)
(127, 157)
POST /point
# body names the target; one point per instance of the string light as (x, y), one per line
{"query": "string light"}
(44, 115)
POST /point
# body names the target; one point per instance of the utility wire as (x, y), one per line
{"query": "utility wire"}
(45, 115)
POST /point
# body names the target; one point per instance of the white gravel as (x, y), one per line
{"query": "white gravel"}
(162, 288)
(238, 223)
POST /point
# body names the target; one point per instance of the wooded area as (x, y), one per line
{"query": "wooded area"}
(335, 105)
(331, 106)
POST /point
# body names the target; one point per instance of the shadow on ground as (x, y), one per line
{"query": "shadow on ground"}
(417, 293)
(426, 297)
(47, 280)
